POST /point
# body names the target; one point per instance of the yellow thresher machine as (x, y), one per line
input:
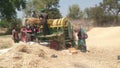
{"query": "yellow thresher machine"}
(61, 33)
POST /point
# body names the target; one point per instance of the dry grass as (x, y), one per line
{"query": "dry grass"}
(3, 30)
(103, 43)
(5, 42)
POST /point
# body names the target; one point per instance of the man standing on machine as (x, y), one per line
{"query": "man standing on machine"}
(44, 17)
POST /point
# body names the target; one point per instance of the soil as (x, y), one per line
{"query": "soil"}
(103, 50)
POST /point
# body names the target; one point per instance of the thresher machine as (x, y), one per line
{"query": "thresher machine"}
(60, 31)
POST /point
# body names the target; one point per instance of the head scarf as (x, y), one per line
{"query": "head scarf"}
(82, 29)
(42, 10)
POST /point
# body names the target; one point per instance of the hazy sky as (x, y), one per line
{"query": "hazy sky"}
(64, 5)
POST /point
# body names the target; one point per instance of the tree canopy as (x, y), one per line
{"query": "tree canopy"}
(8, 8)
(75, 12)
(111, 7)
(107, 12)
(51, 7)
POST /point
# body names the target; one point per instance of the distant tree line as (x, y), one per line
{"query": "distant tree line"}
(106, 13)
(75, 12)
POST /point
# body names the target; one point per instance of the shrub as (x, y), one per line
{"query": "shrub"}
(4, 24)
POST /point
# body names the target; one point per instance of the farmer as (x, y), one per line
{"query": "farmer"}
(15, 35)
(82, 35)
(34, 14)
(75, 32)
(23, 34)
(44, 17)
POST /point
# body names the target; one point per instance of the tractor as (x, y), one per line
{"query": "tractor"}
(60, 32)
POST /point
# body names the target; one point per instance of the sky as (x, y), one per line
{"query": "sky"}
(64, 5)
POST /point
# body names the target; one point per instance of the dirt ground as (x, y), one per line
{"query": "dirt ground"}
(103, 45)
(6, 41)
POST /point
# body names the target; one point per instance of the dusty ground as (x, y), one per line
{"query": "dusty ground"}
(103, 44)
(6, 41)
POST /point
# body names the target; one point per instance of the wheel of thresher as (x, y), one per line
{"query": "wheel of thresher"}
(61, 42)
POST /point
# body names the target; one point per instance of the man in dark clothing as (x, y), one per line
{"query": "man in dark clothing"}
(34, 14)
(44, 17)
(15, 35)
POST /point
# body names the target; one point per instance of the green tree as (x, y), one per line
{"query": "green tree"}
(111, 7)
(51, 7)
(8, 8)
(4, 24)
(75, 12)
(97, 14)
(48, 4)
(54, 13)
(88, 12)
(107, 12)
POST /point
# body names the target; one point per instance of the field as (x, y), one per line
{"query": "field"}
(103, 45)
